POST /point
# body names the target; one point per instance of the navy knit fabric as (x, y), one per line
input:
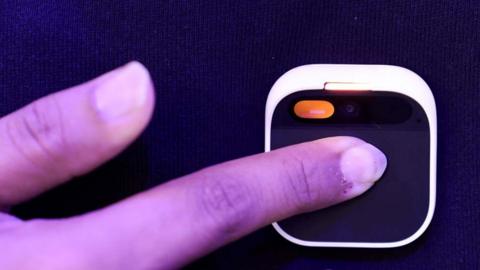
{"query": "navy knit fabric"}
(213, 63)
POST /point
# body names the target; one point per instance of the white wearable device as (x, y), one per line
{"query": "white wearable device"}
(388, 106)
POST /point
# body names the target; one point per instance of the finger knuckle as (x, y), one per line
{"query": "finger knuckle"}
(226, 201)
(300, 188)
(37, 130)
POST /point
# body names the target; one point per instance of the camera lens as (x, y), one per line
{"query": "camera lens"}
(350, 109)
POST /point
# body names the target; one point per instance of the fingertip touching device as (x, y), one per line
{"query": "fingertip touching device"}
(388, 106)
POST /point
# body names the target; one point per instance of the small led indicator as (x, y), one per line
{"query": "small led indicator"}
(313, 109)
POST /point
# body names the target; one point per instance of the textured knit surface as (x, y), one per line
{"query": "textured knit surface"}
(213, 63)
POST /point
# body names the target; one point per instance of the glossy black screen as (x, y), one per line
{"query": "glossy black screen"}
(397, 205)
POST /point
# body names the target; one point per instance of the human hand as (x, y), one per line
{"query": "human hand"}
(73, 131)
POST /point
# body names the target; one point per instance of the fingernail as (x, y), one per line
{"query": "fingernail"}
(124, 91)
(362, 165)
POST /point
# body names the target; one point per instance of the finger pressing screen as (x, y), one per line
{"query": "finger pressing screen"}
(175, 223)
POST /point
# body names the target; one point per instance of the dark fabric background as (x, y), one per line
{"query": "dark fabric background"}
(213, 63)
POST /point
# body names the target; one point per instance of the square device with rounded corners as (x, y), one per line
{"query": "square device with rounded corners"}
(388, 106)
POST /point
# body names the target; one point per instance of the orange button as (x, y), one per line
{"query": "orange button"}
(313, 109)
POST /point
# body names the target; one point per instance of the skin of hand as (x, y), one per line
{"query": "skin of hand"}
(72, 132)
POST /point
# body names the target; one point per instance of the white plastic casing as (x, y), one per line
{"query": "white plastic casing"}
(360, 77)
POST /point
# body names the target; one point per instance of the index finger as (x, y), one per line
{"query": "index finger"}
(175, 223)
